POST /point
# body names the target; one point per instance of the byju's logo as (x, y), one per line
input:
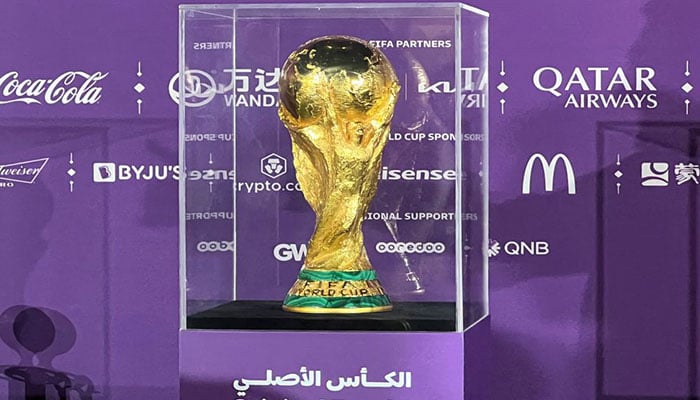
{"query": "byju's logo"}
(21, 172)
(655, 174)
(273, 165)
(106, 172)
(72, 87)
(549, 169)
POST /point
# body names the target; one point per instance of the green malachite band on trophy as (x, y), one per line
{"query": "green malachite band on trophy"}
(311, 275)
(337, 303)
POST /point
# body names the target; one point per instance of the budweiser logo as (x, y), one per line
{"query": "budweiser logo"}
(23, 171)
(72, 87)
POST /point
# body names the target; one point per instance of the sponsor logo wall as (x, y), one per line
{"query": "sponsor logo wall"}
(596, 122)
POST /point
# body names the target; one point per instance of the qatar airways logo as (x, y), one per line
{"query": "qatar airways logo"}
(599, 87)
(72, 87)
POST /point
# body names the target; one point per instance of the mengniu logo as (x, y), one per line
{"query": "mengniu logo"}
(549, 169)
(24, 172)
(72, 87)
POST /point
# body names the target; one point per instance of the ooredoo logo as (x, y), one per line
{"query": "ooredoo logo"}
(72, 87)
(21, 172)
(410, 247)
(216, 246)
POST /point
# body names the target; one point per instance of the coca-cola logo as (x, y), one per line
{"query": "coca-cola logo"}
(72, 87)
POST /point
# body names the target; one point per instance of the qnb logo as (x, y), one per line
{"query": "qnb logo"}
(216, 246)
(410, 247)
(73, 87)
(599, 87)
(549, 169)
(289, 251)
(110, 172)
(494, 248)
(273, 165)
(25, 172)
(519, 248)
(474, 87)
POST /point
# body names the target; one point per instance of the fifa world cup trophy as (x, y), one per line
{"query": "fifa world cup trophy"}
(337, 98)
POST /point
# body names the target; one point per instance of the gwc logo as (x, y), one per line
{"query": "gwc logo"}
(410, 247)
(289, 251)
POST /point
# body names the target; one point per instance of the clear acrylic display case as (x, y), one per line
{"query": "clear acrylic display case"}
(244, 221)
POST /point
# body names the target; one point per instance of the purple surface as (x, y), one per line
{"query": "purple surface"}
(434, 360)
(105, 256)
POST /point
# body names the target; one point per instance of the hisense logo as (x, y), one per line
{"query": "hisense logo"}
(21, 172)
(72, 87)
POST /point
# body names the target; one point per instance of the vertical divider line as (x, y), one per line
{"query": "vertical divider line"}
(485, 179)
(459, 259)
(234, 139)
(182, 188)
(693, 277)
(600, 261)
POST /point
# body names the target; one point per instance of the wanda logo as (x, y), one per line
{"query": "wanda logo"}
(72, 87)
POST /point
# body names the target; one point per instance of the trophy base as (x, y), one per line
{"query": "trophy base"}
(268, 315)
(337, 292)
(317, 310)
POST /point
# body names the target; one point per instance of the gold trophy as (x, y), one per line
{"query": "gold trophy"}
(337, 97)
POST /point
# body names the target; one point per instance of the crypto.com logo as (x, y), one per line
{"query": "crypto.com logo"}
(75, 87)
(21, 172)
(200, 88)
(273, 165)
(548, 169)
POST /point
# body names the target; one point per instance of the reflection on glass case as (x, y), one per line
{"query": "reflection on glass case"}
(335, 167)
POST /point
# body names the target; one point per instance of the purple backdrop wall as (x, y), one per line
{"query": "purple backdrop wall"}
(603, 307)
